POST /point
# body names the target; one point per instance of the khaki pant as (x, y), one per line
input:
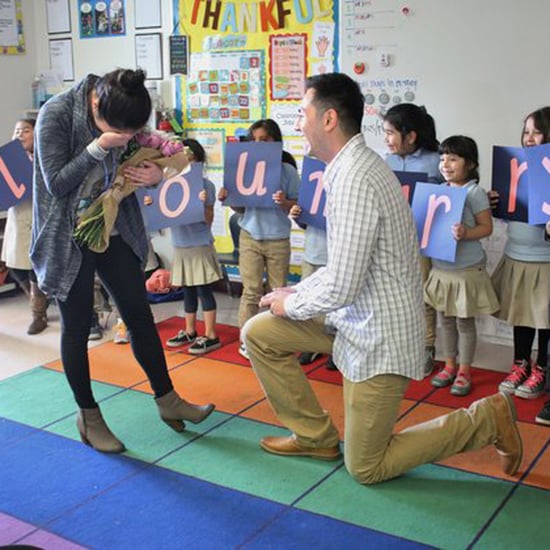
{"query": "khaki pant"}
(255, 259)
(430, 314)
(372, 451)
(308, 269)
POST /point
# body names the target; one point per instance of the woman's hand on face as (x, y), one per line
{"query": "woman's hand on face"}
(110, 140)
(144, 176)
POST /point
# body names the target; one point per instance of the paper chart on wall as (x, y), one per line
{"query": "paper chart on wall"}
(12, 40)
(226, 86)
(213, 141)
(287, 66)
(369, 35)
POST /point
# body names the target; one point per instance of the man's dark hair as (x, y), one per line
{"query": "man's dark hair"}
(339, 92)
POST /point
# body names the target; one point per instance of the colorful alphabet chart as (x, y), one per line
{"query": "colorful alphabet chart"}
(226, 87)
(288, 66)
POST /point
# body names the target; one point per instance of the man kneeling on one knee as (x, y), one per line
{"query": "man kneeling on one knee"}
(371, 294)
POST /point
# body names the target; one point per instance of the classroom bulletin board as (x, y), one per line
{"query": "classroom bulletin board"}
(12, 39)
(248, 60)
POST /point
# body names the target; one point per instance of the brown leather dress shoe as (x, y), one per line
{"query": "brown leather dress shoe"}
(288, 446)
(508, 439)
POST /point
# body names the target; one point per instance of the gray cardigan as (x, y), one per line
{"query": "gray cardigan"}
(61, 164)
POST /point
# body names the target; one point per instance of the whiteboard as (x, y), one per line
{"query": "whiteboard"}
(479, 66)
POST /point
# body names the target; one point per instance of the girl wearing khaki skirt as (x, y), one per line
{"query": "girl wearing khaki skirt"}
(462, 289)
(195, 267)
(522, 283)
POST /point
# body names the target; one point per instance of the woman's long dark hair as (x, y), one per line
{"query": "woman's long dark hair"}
(123, 101)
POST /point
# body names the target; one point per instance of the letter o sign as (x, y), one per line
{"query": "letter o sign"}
(163, 206)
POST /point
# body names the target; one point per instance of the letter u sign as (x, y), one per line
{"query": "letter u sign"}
(257, 187)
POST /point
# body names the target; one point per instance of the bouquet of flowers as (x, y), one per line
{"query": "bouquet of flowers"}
(96, 223)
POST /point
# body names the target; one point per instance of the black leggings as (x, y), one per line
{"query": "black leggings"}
(191, 294)
(119, 270)
(523, 344)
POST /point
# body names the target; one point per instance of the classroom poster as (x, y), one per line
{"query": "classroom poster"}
(288, 66)
(213, 141)
(12, 40)
(246, 61)
(99, 19)
(370, 46)
(226, 87)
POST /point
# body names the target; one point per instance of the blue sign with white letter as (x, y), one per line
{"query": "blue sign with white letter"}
(15, 174)
(252, 173)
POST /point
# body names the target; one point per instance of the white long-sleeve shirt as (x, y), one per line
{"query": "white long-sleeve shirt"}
(371, 287)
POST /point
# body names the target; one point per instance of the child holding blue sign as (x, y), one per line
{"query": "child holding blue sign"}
(195, 267)
(264, 241)
(17, 239)
(522, 282)
(543, 417)
(409, 134)
(462, 289)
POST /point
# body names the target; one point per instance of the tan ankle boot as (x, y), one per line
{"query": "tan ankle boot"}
(94, 432)
(39, 305)
(174, 410)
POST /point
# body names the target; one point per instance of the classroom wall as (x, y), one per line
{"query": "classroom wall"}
(479, 67)
(17, 75)
(92, 55)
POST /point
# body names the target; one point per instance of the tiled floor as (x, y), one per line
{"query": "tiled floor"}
(212, 487)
